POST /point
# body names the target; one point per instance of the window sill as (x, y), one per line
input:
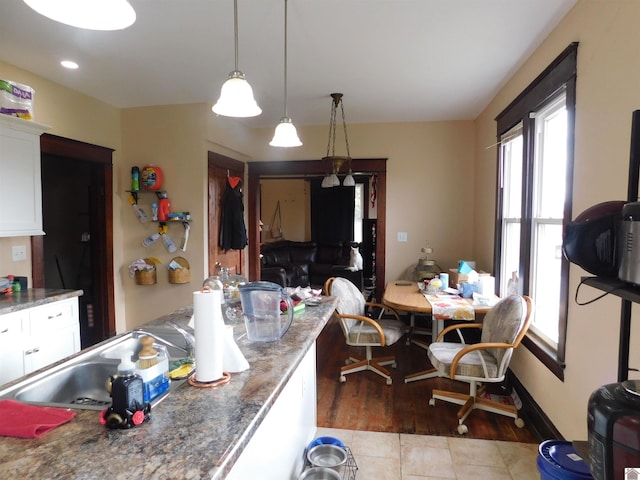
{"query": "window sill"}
(547, 356)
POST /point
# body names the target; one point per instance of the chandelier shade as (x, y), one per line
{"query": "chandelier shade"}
(87, 14)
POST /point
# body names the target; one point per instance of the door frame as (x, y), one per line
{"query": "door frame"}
(235, 168)
(102, 249)
(365, 166)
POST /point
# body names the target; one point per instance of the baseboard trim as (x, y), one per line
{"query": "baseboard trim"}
(532, 413)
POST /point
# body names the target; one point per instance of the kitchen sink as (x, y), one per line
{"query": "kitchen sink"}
(80, 382)
(81, 385)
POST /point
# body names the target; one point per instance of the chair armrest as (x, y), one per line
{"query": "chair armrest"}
(370, 321)
(471, 348)
(457, 326)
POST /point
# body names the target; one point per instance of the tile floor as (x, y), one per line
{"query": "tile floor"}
(393, 456)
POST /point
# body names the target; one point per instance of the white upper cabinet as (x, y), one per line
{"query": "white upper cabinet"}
(20, 187)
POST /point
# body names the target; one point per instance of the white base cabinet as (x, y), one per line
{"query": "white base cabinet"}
(275, 452)
(36, 337)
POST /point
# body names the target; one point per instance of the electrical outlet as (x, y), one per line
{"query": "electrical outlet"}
(19, 253)
(402, 237)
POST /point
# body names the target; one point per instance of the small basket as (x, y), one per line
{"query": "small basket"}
(146, 277)
(180, 275)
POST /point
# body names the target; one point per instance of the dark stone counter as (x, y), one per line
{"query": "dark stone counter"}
(34, 297)
(194, 433)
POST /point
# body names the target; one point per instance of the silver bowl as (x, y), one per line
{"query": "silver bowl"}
(326, 455)
(320, 473)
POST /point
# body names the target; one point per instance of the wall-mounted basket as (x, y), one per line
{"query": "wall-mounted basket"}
(146, 277)
(180, 275)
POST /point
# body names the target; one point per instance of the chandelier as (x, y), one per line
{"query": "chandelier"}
(336, 162)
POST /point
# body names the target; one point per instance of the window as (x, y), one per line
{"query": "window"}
(534, 194)
(358, 213)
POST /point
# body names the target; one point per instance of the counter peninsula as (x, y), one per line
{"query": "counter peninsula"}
(196, 433)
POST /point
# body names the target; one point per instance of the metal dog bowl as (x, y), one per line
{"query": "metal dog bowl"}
(320, 473)
(329, 456)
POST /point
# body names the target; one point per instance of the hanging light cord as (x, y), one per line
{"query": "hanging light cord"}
(346, 138)
(235, 29)
(285, 59)
(332, 127)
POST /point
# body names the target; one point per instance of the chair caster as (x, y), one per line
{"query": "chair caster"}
(519, 422)
(389, 381)
(343, 379)
(462, 429)
(432, 402)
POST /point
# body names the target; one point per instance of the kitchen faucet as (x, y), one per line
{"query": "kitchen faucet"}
(189, 339)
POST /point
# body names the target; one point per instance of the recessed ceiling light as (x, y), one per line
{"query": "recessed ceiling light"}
(69, 64)
(89, 14)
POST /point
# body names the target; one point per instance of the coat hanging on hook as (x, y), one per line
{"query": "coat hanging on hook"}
(233, 233)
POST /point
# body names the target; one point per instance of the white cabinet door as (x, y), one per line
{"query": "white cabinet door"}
(54, 333)
(275, 452)
(11, 346)
(20, 187)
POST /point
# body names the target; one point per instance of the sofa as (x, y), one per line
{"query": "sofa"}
(293, 264)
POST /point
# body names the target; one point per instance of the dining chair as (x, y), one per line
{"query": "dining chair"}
(503, 328)
(362, 331)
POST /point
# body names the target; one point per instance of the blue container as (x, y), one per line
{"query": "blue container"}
(558, 460)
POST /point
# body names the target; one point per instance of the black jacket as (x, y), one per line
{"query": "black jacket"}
(233, 234)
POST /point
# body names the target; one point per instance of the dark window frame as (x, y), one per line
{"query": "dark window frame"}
(559, 76)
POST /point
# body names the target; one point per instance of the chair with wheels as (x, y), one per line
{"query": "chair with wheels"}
(362, 331)
(503, 329)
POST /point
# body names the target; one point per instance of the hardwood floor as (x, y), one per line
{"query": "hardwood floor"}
(366, 402)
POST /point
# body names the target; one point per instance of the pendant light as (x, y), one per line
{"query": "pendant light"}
(285, 134)
(236, 96)
(336, 162)
(88, 14)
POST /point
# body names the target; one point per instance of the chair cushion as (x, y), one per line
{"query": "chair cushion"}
(361, 333)
(441, 355)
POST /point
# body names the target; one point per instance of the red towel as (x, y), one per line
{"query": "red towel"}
(30, 421)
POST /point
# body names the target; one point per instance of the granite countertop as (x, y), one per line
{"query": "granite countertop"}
(34, 297)
(193, 433)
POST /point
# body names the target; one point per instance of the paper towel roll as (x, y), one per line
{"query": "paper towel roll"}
(233, 359)
(209, 333)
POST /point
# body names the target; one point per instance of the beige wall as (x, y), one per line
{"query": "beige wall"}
(607, 93)
(430, 188)
(295, 208)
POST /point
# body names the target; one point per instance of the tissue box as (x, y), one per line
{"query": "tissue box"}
(16, 99)
(455, 278)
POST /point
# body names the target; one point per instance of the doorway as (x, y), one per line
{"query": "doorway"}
(302, 168)
(77, 250)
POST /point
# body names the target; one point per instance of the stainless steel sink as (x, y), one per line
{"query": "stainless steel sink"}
(80, 381)
(81, 385)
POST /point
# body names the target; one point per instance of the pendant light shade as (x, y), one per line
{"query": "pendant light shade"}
(236, 95)
(236, 98)
(285, 134)
(88, 14)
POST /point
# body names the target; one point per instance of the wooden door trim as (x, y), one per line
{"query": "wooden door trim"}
(216, 160)
(56, 146)
(368, 166)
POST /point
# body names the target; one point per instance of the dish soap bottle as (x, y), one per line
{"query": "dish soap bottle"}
(128, 408)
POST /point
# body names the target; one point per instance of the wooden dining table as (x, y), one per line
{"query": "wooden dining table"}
(405, 296)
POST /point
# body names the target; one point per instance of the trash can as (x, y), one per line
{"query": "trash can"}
(558, 460)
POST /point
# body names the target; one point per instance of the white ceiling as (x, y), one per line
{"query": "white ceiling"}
(394, 60)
